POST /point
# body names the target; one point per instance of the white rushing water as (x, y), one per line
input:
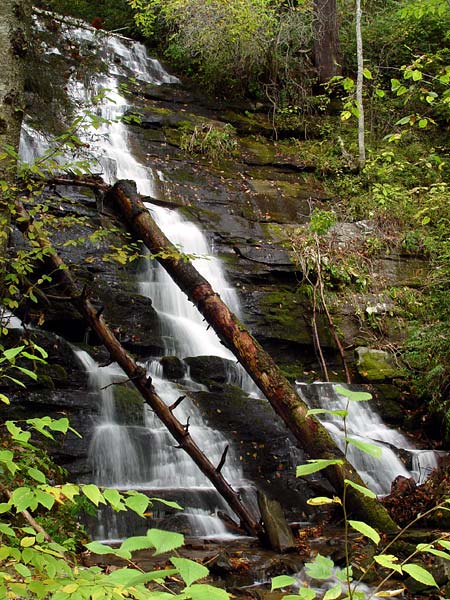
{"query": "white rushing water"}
(143, 455)
(364, 424)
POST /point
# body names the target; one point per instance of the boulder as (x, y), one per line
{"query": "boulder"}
(173, 367)
(376, 365)
(277, 528)
(206, 369)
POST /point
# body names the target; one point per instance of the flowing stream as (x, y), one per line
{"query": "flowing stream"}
(140, 453)
(364, 424)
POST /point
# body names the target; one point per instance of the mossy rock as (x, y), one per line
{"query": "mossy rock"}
(129, 405)
(376, 365)
(257, 153)
(173, 367)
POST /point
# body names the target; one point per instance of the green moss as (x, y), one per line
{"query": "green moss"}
(249, 123)
(293, 371)
(129, 405)
(261, 152)
(376, 365)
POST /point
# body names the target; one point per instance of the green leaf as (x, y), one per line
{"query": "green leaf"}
(420, 574)
(344, 575)
(432, 550)
(138, 542)
(388, 561)
(99, 548)
(205, 592)
(404, 120)
(22, 570)
(305, 593)
(169, 503)
(315, 465)
(33, 357)
(7, 530)
(371, 449)
(423, 123)
(44, 498)
(282, 581)
(12, 353)
(320, 501)
(352, 395)
(143, 578)
(22, 498)
(325, 411)
(367, 74)
(165, 541)
(366, 530)
(124, 576)
(4, 399)
(189, 570)
(61, 425)
(320, 568)
(333, 592)
(27, 372)
(37, 475)
(361, 489)
(92, 492)
(138, 503)
(17, 433)
(16, 381)
(115, 499)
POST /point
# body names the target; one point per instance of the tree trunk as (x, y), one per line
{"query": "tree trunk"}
(326, 40)
(136, 374)
(14, 26)
(359, 87)
(310, 434)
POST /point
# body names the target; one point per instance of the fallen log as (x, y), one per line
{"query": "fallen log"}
(136, 374)
(311, 435)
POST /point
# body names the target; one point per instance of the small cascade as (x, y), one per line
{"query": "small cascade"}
(364, 424)
(143, 455)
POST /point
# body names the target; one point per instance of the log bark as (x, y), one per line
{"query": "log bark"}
(136, 374)
(311, 435)
(15, 20)
(327, 56)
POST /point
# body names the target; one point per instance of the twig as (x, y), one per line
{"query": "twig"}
(223, 459)
(28, 517)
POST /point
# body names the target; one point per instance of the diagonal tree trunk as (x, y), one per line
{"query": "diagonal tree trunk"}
(310, 434)
(136, 374)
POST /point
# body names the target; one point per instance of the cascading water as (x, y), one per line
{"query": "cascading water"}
(364, 424)
(142, 455)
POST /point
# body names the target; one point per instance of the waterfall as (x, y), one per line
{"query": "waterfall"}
(363, 423)
(142, 455)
